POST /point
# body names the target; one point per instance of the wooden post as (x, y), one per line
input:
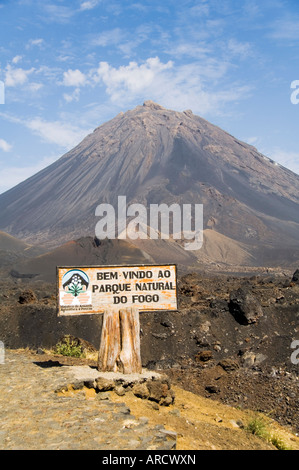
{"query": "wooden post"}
(129, 358)
(120, 342)
(110, 342)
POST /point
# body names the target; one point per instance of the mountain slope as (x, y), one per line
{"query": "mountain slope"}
(9, 243)
(154, 155)
(13, 249)
(83, 252)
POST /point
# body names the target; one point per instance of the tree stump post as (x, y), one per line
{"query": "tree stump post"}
(120, 342)
(110, 342)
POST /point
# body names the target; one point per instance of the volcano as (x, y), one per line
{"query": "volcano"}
(153, 155)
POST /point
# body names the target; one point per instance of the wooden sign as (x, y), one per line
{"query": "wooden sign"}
(94, 289)
(120, 293)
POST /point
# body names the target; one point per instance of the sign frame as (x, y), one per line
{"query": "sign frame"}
(119, 306)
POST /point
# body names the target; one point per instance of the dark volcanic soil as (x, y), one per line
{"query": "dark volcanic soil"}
(204, 347)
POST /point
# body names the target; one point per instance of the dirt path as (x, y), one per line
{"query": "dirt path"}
(33, 416)
(203, 424)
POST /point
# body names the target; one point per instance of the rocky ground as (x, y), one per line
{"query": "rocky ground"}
(37, 414)
(229, 341)
(49, 402)
(244, 340)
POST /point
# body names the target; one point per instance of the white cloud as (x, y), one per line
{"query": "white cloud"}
(89, 5)
(16, 59)
(132, 78)
(5, 146)
(35, 86)
(72, 97)
(195, 50)
(16, 76)
(110, 37)
(286, 29)
(58, 13)
(241, 49)
(60, 133)
(35, 42)
(202, 9)
(192, 86)
(74, 78)
(125, 40)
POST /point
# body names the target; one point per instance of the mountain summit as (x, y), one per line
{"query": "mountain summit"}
(154, 155)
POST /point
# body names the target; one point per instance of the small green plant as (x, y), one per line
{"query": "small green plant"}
(69, 347)
(279, 443)
(259, 427)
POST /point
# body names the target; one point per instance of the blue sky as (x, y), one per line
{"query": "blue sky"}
(67, 67)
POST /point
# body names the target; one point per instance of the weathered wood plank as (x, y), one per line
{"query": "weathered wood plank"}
(130, 358)
(120, 342)
(110, 342)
